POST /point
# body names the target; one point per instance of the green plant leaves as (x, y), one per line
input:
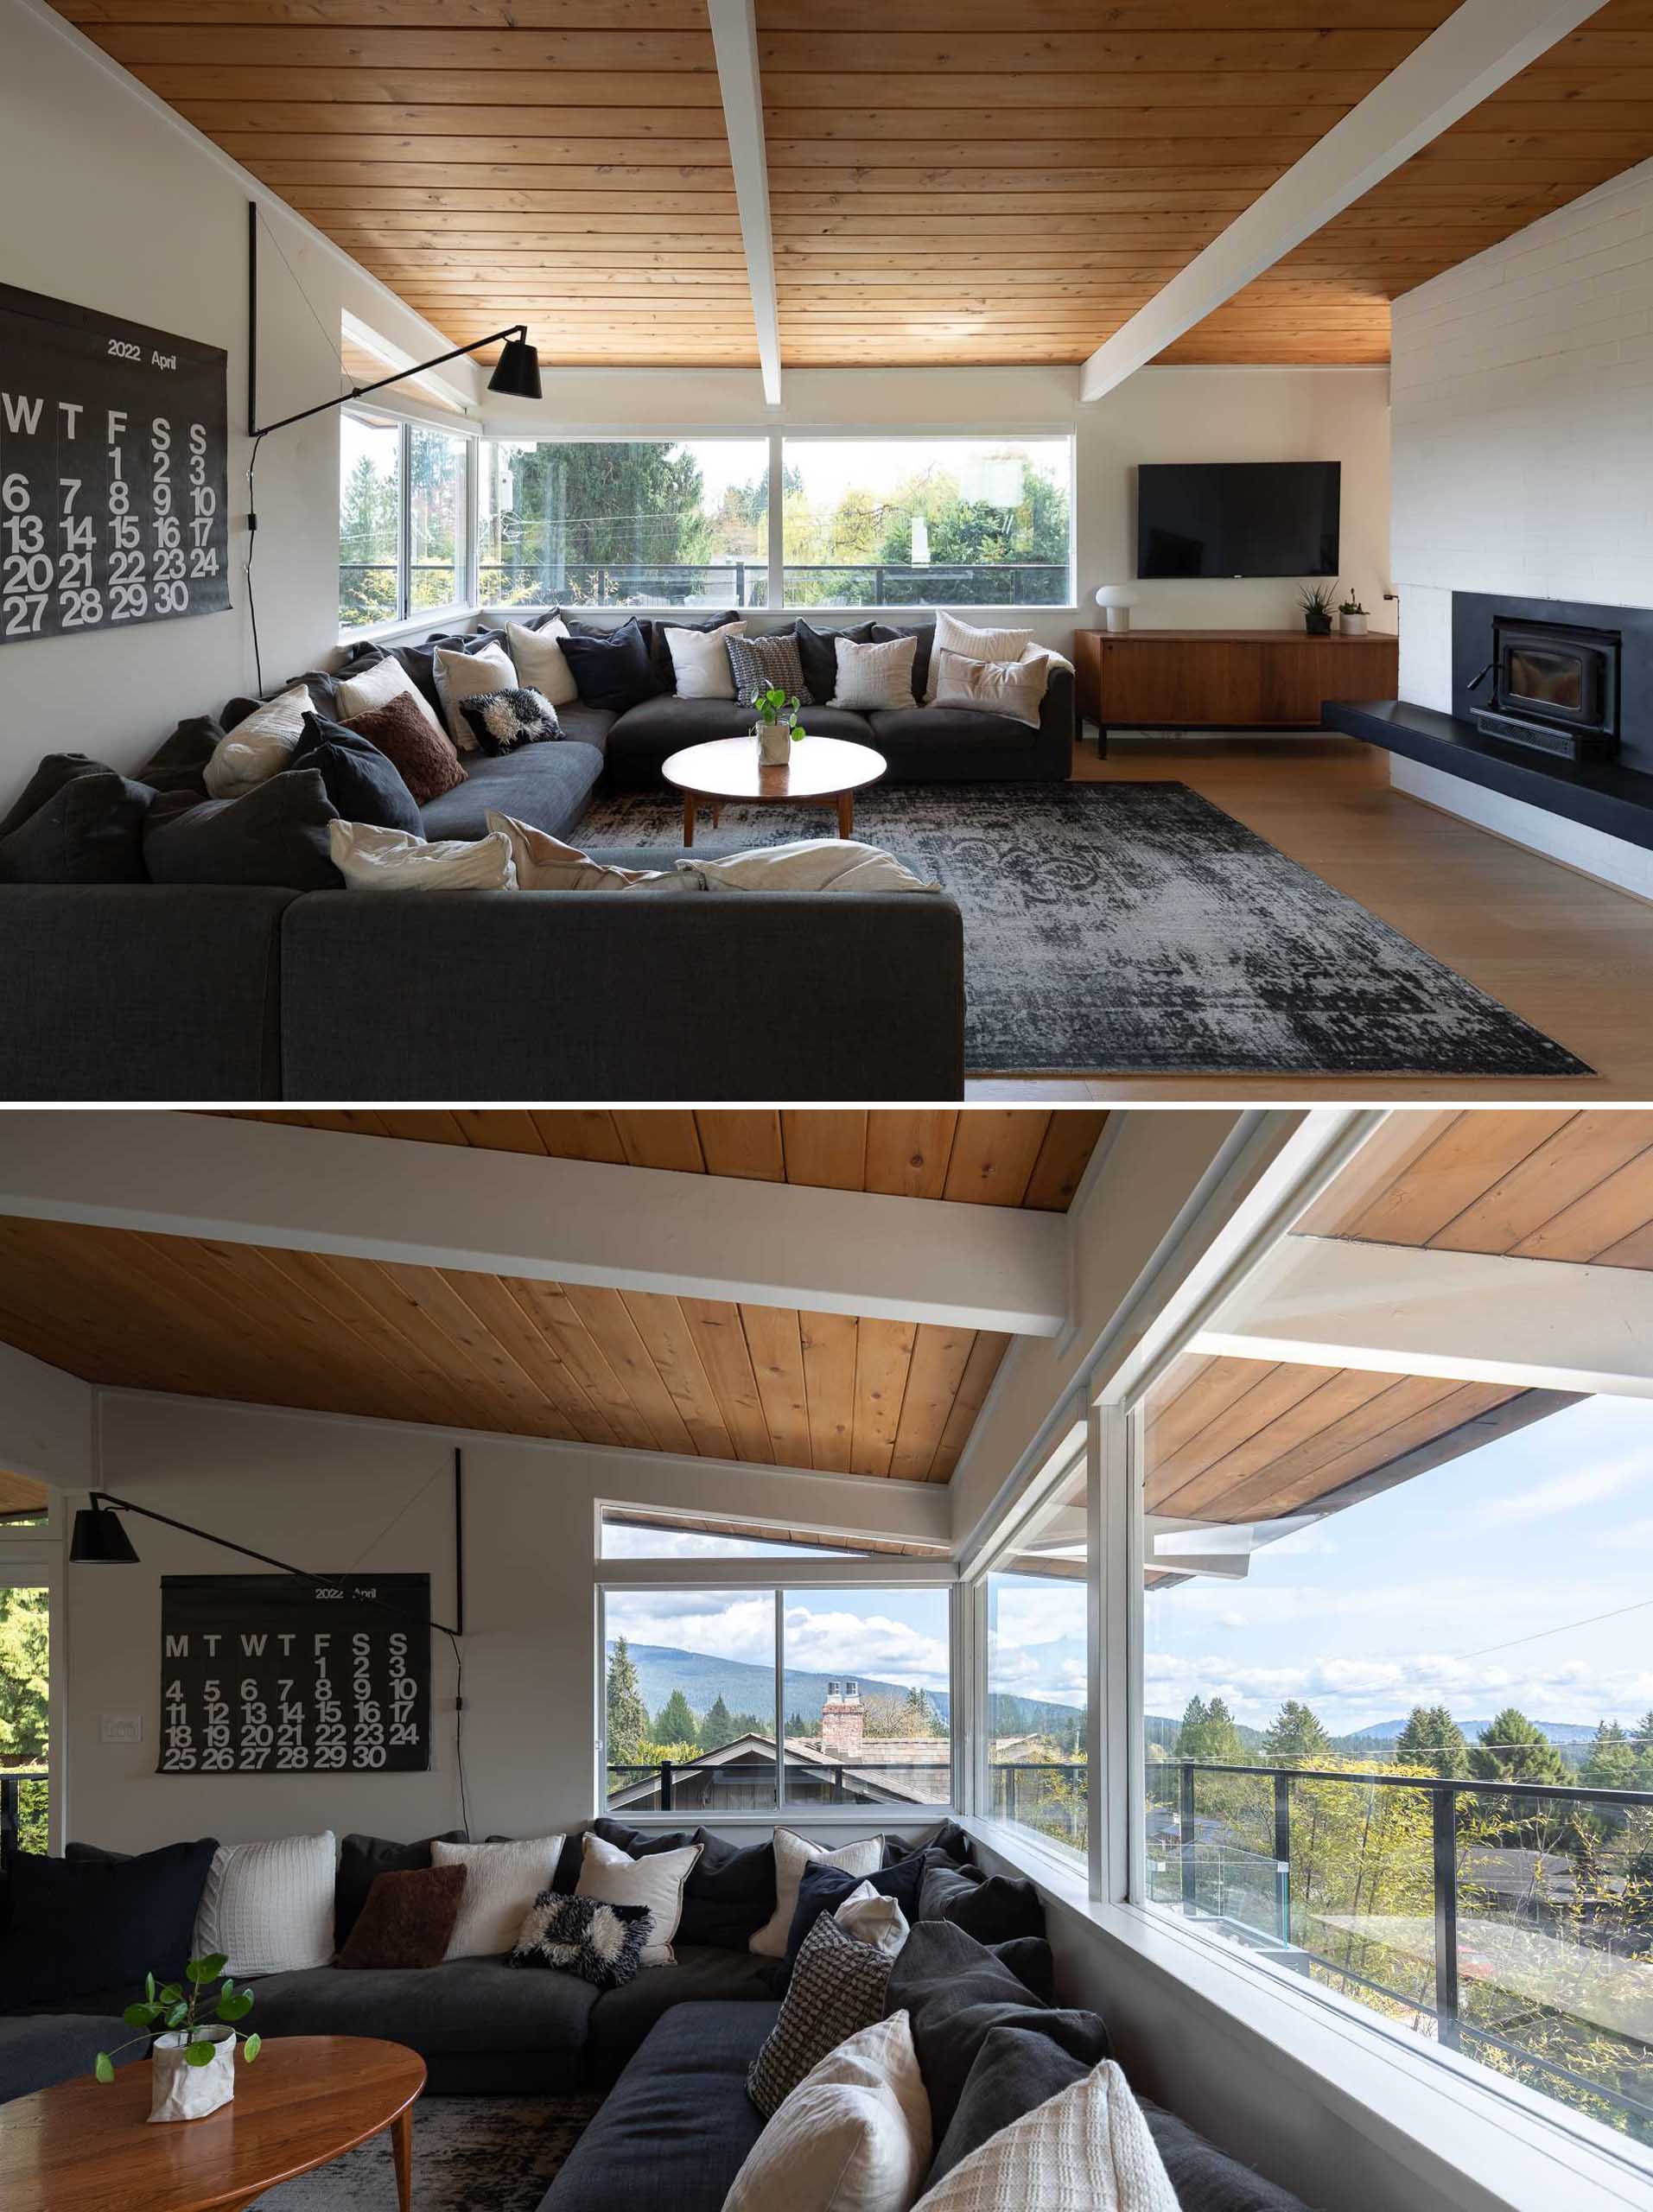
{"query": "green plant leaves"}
(233, 2007)
(105, 2068)
(168, 1994)
(148, 1988)
(176, 2014)
(207, 1969)
(252, 2047)
(140, 2015)
(199, 2054)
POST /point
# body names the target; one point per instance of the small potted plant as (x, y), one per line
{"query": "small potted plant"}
(1351, 618)
(193, 2056)
(777, 725)
(1317, 609)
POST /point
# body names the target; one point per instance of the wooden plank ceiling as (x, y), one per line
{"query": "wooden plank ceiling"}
(453, 1348)
(950, 181)
(1529, 1184)
(767, 1533)
(1013, 1156)
(21, 1494)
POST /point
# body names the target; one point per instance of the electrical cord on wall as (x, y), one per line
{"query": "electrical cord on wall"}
(459, 1730)
(252, 543)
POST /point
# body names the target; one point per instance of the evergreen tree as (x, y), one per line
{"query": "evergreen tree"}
(1191, 1735)
(1611, 1763)
(1295, 1737)
(1433, 1740)
(1222, 1735)
(1644, 1752)
(674, 1723)
(717, 1728)
(570, 511)
(628, 1717)
(749, 1724)
(1511, 1748)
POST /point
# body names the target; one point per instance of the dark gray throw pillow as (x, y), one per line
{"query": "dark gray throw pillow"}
(1014, 2069)
(613, 672)
(362, 1860)
(56, 769)
(958, 1992)
(179, 764)
(275, 834)
(80, 1925)
(730, 1892)
(823, 1889)
(946, 1837)
(996, 1910)
(818, 651)
(883, 633)
(1205, 2179)
(90, 830)
(364, 784)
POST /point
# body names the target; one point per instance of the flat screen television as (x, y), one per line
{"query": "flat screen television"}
(1238, 519)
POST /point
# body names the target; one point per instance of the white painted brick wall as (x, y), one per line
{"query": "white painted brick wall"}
(1523, 420)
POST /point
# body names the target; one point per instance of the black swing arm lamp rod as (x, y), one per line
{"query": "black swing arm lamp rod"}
(517, 336)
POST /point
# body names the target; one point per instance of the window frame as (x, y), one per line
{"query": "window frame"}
(719, 1577)
(424, 618)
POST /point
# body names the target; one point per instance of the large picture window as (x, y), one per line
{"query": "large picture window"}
(404, 507)
(1036, 1715)
(928, 522)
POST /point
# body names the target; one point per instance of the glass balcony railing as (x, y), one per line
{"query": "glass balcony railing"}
(23, 1810)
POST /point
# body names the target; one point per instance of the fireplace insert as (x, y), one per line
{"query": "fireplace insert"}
(1555, 687)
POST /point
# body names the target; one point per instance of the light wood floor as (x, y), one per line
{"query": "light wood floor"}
(1571, 955)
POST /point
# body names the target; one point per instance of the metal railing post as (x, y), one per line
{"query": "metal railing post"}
(1443, 1820)
(1185, 1837)
(1283, 1855)
(665, 1785)
(1011, 1792)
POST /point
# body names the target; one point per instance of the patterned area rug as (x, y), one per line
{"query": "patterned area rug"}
(1137, 929)
(470, 2154)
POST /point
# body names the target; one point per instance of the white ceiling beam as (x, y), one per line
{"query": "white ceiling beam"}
(1548, 1324)
(1477, 49)
(734, 41)
(249, 1182)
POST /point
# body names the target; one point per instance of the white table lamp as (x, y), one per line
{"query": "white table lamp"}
(1118, 601)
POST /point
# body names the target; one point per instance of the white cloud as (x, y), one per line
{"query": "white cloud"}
(1580, 1486)
(819, 1643)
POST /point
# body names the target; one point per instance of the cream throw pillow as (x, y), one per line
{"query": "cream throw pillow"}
(376, 686)
(461, 675)
(1088, 2150)
(268, 1907)
(871, 1918)
(953, 635)
(613, 1876)
(793, 1854)
(259, 747)
(501, 1882)
(1014, 689)
(700, 661)
(875, 675)
(540, 662)
(545, 863)
(807, 864)
(854, 2136)
(371, 858)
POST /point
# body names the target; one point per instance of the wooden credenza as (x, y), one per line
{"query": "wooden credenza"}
(1224, 679)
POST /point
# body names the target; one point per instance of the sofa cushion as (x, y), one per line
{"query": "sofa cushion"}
(654, 636)
(421, 755)
(924, 635)
(45, 2048)
(998, 1909)
(178, 763)
(823, 1889)
(275, 835)
(101, 1923)
(362, 1860)
(90, 830)
(364, 784)
(676, 2130)
(545, 785)
(922, 729)
(613, 669)
(946, 1837)
(1015, 2067)
(50, 775)
(730, 1891)
(419, 660)
(818, 651)
(1206, 2179)
(466, 2005)
(624, 2016)
(407, 1922)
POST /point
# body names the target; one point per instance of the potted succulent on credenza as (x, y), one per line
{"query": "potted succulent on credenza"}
(1317, 602)
(193, 2054)
(776, 727)
(1351, 618)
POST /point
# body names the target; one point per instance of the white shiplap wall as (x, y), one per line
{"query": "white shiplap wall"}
(1523, 460)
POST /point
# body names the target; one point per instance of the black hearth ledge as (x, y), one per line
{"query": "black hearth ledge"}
(1617, 801)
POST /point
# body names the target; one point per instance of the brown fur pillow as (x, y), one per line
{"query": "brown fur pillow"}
(424, 755)
(407, 1920)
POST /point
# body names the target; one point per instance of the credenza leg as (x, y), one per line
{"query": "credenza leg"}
(1102, 740)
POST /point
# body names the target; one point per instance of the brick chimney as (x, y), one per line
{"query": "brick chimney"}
(844, 1721)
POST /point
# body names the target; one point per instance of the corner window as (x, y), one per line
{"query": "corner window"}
(404, 505)
(438, 521)
(1038, 1676)
(928, 522)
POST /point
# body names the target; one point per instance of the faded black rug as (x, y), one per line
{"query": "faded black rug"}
(1136, 929)
(470, 2154)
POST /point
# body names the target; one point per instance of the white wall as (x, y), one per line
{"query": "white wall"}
(115, 204)
(1523, 460)
(45, 1429)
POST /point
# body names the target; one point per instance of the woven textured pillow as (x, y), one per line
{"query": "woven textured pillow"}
(1089, 2146)
(768, 665)
(602, 1944)
(268, 1907)
(875, 676)
(502, 721)
(838, 1987)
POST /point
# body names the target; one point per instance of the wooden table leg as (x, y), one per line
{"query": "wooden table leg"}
(846, 814)
(402, 2147)
(689, 817)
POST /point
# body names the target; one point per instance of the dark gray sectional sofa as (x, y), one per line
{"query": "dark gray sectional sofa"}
(133, 990)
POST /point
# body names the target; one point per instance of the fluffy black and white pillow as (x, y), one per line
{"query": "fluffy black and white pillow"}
(601, 1943)
(838, 1987)
(767, 664)
(501, 720)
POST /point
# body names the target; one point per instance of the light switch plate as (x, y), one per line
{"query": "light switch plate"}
(120, 1727)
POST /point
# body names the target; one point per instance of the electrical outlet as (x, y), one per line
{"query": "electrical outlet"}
(120, 1727)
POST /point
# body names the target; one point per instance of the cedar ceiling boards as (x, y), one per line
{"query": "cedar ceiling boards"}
(21, 1494)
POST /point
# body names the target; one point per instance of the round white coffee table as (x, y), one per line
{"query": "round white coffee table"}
(825, 771)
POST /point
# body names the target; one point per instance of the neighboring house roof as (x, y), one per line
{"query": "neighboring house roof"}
(861, 1774)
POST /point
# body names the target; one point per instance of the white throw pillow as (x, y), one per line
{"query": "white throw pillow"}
(613, 1875)
(259, 747)
(700, 661)
(377, 686)
(268, 1907)
(854, 2136)
(371, 858)
(1088, 2150)
(540, 662)
(953, 635)
(875, 675)
(793, 1852)
(807, 864)
(461, 675)
(873, 1918)
(501, 1882)
(1014, 689)
(545, 863)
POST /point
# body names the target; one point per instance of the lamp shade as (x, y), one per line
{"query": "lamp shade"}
(99, 1539)
(1115, 596)
(515, 374)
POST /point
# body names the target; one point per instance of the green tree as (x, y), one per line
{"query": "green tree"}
(1511, 1748)
(592, 522)
(1208, 1732)
(1295, 1737)
(718, 1727)
(1644, 1752)
(628, 1717)
(675, 1722)
(1431, 1739)
(1611, 1763)
(369, 528)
